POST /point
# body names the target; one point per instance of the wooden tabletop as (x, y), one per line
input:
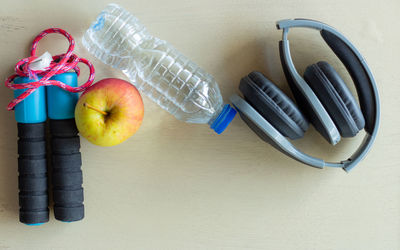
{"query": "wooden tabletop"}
(175, 185)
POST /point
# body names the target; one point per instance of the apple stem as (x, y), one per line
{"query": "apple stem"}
(95, 109)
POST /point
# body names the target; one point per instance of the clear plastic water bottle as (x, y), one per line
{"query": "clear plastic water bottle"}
(157, 69)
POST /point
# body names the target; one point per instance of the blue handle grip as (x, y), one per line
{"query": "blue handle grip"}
(33, 108)
(61, 103)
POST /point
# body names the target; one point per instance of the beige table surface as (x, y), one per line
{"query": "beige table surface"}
(180, 186)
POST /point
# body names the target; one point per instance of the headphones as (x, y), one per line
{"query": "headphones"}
(321, 95)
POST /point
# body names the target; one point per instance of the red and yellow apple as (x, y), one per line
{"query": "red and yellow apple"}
(109, 112)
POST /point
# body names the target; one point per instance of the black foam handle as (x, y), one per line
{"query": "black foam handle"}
(32, 169)
(67, 173)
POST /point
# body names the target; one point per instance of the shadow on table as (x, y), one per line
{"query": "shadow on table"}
(8, 156)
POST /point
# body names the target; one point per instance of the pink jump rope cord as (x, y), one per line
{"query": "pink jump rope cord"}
(61, 63)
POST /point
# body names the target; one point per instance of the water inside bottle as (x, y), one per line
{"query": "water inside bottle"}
(157, 69)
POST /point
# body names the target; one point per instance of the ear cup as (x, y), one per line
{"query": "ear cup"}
(273, 105)
(336, 98)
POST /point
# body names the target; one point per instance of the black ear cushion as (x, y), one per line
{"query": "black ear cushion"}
(273, 105)
(336, 98)
(364, 86)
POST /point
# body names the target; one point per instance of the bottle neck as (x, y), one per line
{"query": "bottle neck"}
(222, 119)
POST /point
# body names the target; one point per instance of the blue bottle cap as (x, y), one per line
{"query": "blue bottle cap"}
(224, 118)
